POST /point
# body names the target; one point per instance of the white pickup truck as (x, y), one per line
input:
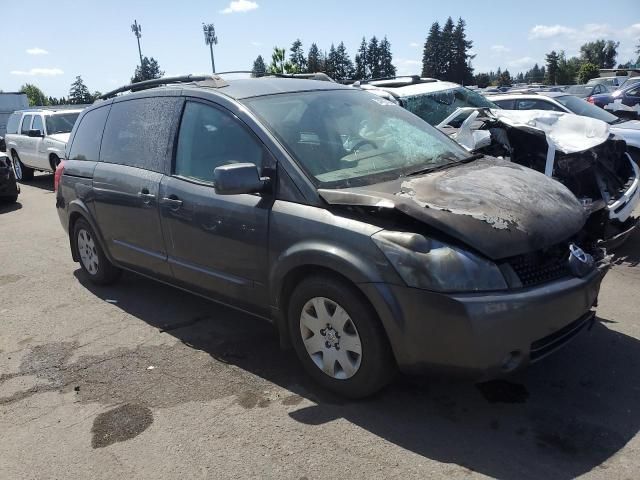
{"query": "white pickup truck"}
(36, 139)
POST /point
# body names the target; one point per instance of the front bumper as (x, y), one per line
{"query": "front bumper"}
(482, 335)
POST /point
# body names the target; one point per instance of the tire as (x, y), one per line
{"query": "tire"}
(93, 261)
(55, 161)
(352, 355)
(23, 173)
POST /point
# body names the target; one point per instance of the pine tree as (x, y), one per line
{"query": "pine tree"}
(277, 61)
(259, 67)
(331, 62)
(552, 60)
(296, 57)
(373, 58)
(387, 69)
(432, 53)
(448, 50)
(504, 79)
(314, 60)
(147, 71)
(361, 72)
(79, 93)
(461, 70)
(343, 67)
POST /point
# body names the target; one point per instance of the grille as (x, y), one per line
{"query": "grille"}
(542, 266)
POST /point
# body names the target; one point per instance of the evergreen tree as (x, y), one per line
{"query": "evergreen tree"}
(461, 70)
(147, 71)
(343, 66)
(277, 61)
(296, 57)
(504, 79)
(552, 60)
(314, 60)
(432, 53)
(361, 72)
(482, 80)
(79, 93)
(373, 58)
(448, 51)
(387, 69)
(259, 67)
(35, 96)
(331, 64)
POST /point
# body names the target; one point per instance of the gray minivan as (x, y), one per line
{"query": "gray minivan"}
(369, 238)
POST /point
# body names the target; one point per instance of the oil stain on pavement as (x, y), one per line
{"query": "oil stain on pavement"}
(120, 424)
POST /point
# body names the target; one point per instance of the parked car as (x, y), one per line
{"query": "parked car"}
(579, 152)
(629, 130)
(586, 91)
(369, 238)
(36, 139)
(9, 103)
(624, 102)
(9, 188)
(629, 81)
(612, 83)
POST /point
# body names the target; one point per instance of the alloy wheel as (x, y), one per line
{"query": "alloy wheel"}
(16, 166)
(88, 252)
(330, 338)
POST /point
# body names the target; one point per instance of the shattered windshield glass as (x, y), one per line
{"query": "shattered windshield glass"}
(435, 107)
(347, 138)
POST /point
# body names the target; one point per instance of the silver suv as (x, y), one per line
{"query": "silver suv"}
(36, 139)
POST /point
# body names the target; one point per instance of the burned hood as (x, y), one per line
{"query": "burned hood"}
(499, 208)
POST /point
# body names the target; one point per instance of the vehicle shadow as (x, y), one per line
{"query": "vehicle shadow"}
(559, 419)
(6, 207)
(42, 181)
(628, 253)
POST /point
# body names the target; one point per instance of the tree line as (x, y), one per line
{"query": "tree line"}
(372, 60)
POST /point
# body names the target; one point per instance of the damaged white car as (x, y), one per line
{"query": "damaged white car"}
(580, 152)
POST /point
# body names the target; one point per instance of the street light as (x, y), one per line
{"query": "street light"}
(210, 39)
(136, 28)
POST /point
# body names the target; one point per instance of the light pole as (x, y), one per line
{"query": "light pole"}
(210, 39)
(136, 28)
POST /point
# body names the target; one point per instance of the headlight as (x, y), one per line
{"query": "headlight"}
(433, 265)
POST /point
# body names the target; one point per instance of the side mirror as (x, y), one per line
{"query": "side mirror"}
(35, 133)
(238, 178)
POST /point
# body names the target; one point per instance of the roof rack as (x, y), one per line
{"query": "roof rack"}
(413, 80)
(321, 76)
(207, 80)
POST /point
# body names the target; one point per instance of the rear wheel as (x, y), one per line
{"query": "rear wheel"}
(54, 161)
(93, 261)
(338, 338)
(22, 172)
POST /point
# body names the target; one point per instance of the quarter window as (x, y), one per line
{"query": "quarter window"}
(537, 105)
(12, 124)
(86, 141)
(138, 132)
(37, 124)
(26, 124)
(210, 138)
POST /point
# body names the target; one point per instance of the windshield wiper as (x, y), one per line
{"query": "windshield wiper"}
(454, 162)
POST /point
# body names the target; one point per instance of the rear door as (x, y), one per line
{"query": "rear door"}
(135, 152)
(217, 244)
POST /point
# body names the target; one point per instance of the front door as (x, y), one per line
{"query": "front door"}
(217, 244)
(25, 142)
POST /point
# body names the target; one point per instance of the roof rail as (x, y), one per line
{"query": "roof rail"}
(413, 78)
(308, 76)
(212, 80)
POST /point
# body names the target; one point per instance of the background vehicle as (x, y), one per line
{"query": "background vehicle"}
(36, 139)
(586, 91)
(612, 83)
(624, 102)
(597, 169)
(9, 188)
(9, 103)
(369, 238)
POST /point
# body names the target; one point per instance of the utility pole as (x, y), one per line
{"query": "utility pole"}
(210, 39)
(136, 28)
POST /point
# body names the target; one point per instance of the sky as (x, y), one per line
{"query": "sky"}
(94, 39)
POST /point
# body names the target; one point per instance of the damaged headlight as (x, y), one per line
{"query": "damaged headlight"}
(426, 263)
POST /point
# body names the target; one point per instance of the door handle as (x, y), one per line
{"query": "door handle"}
(146, 196)
(174, 202)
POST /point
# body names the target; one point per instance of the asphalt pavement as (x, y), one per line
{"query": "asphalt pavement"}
(139, 380)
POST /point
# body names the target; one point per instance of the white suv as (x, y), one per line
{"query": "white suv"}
(36, 139)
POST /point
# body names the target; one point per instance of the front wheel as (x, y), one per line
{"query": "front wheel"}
(22, 172)
(93, 261)
(338, 337)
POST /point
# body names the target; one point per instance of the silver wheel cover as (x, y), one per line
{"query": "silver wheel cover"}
(330, 338)
(87, 251)
(17, 168)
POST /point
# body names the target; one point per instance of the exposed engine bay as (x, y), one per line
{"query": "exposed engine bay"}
(577, 151)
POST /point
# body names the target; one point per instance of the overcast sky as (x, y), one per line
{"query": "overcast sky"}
(61, 39)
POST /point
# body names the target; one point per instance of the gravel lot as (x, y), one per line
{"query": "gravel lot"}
(139, 380)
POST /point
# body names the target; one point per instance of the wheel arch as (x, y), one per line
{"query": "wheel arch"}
(78, 210)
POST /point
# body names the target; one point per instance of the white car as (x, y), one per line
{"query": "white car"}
(629, 130)
(36, 139)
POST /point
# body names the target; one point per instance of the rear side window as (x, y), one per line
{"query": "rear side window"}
(37, 124)
(527, 104)
(138, 132)
(26, 124)
(86, 142)
(12, 123)
(506, 104)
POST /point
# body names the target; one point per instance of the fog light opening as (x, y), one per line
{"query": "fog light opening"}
(512, 361)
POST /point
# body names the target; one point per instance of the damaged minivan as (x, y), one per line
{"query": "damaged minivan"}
(370, 239)
(580, 152)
